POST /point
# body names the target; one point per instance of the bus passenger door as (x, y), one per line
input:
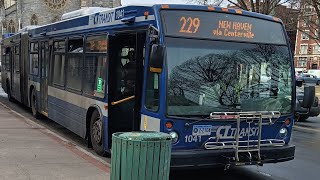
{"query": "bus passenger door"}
(125, 81)
(44, 61)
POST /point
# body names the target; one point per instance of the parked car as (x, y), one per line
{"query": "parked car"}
(315, 72)
(305, 113)
(309, 78)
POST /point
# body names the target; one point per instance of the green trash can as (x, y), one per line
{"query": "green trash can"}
(140, 156)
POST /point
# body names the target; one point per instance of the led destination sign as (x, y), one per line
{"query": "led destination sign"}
(221, 26)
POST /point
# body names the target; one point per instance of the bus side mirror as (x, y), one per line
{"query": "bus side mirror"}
(156, 58)
(308, 96)
(299, 83)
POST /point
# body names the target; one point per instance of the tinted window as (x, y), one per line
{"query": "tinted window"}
(75, 46)
(17, 59)
(96, 44)
(74, 72)
(59, 63)
(222, 26)
(7, 59)
(152, 92)
(95, 75)
(34, 59)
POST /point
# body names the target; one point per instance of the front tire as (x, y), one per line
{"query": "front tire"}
(96, 133)
(318, 83)
(34, 110)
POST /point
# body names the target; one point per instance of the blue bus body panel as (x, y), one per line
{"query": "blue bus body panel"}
(114, 20)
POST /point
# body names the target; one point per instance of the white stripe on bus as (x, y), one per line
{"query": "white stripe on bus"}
(76, 99)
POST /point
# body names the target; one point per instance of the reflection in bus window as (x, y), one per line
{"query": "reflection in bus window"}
(96, 44)
(94, 75)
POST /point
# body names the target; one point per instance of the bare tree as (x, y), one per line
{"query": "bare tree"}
(309, 19)
(261, 6)
(206, 2)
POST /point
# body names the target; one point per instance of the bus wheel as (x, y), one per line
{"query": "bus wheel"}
(96, 133)
(35, 113)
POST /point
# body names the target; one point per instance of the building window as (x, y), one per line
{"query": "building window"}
(34, 20)
(9, 3)
(305, 35)
(303, 49)
(302, 62)
(316, 49)
(11, 28)
(55, 4)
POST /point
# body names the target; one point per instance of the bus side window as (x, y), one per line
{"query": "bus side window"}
(74, 70)
(95, 66)
(152, 92)
(17, 59)
(59, 63)
(34, 59)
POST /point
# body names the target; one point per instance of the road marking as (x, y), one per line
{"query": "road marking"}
(306, 128)
(79, 151)
(265, 174)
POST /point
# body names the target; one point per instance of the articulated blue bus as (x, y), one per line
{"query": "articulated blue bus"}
(219, 81)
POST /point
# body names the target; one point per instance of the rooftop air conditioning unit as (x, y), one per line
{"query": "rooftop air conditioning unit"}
(82, 12)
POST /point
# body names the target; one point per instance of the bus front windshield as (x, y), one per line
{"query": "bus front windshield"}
(207, 76)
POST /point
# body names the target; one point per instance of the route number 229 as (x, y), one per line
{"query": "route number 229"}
(189, 25)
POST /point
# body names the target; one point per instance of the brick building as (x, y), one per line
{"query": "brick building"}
(307, 54)
(16, 14)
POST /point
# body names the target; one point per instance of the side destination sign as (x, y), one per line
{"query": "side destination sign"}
(106, 17)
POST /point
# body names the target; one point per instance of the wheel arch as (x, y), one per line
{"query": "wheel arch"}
(31, 88)
(90, 110)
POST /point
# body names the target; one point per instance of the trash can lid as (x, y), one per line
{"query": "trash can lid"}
(145, 136)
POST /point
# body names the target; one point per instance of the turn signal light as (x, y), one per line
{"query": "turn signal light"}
(169, 125)
(287, 122)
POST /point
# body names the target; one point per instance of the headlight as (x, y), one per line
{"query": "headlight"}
(174, 136)
(283, 132)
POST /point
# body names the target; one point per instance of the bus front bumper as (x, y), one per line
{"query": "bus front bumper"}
(181, 159)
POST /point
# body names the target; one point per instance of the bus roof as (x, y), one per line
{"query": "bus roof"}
(124, 14)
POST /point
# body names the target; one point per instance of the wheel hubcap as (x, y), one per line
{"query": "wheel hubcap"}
(97, 131)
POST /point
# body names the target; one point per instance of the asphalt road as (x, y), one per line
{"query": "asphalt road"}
(305, 166)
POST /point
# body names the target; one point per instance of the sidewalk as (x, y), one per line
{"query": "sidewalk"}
(30, 151)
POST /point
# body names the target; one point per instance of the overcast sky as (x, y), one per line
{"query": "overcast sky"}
(126, 2)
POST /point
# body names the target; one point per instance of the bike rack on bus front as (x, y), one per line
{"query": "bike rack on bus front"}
(248, 145)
